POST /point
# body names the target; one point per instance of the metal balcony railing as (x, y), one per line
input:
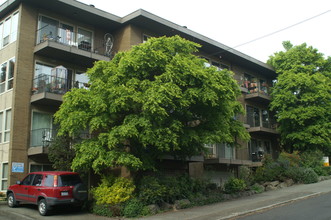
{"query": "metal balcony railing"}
(56, 85)
(42, 137)
(74, 39)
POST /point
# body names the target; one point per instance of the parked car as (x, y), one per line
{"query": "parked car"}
(48, 189)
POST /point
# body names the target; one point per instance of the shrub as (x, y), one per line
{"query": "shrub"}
(134, 208)
(103, 210)
(314, 160)
(302, 175)
(113, 191)
(257, 188)
(293, 158)
(151, 191)
(155, 190)
(245, 173)
(234, 185)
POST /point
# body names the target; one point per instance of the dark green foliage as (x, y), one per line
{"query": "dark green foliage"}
(313, 160)
(246, 174)
(301, 98)
(61, 153)
(103, 210)
(134, 208)
(234, 185)
(155, 190)
(301, 175)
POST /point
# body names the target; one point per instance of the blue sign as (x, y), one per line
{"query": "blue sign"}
(17, 167)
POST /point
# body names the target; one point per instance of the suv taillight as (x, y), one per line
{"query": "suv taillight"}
(55, 181)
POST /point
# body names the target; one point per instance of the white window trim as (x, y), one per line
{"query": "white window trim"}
(4, 179)
(5, 83)
(10, 29)
(4, 121)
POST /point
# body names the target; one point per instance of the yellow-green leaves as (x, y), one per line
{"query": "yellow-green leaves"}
(156, 99)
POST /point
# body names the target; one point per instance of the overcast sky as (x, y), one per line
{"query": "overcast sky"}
(234, 22)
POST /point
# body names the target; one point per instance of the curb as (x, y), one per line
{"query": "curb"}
(269, 206)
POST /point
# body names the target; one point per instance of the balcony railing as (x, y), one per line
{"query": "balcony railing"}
(46, 83)
(42, 137)
(74, 39)
(270, 123)
(255, 87)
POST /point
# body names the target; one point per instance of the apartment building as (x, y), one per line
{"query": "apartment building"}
(45, 49)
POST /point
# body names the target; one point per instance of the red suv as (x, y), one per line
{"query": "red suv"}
(47, 189)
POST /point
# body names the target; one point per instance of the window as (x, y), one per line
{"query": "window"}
(265, 118)
(28, 180)
(3, 76)
(7, 75)
(37, 180)
(227, 151)
(47, 29)
(5, 123)
(84, 39)
(42, 133)
(10, 81)
(4, 176)
(145, 38)
(8, 29)
(81, 80)
(49, 180)
(40, 167)
(1, 126)
(220, 66)
(66, 34)
(258, 145)
(253, 116)
(211, 150)
(14, 27)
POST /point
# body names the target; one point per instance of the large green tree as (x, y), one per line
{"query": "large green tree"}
(156, 99)
(302, 97)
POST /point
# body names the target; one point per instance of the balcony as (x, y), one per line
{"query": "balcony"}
(221, 154)
(48, 90)
(72, 47)
(40, 140)
(256, 91)
(263, 127)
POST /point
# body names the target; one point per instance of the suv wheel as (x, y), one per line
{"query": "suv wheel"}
(11, 201)
(80, 192)
(42, 207)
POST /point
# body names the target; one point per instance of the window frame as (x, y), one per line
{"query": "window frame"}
(5, 126)
(4, 178)
(13, 30)
(4, 85)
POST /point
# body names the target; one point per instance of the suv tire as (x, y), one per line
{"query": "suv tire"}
(43, 207)
(11, 201)
(80, 192)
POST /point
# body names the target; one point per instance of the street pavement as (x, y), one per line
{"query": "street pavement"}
(224, 210)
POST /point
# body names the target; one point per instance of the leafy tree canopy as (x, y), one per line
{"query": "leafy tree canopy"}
(156, 99)
(302, 97)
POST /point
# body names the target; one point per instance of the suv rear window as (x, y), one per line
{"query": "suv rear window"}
(68, 180)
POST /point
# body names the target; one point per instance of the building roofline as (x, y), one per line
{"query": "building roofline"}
(88, 13)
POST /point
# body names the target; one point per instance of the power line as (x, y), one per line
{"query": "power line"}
(275, 32)
(283, 29)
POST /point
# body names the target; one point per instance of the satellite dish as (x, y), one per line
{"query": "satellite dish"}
(109, 42)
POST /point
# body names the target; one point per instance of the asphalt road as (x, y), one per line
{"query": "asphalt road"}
(317, 208)
(30, 212)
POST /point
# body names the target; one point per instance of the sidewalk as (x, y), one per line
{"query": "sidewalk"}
(241, 206)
